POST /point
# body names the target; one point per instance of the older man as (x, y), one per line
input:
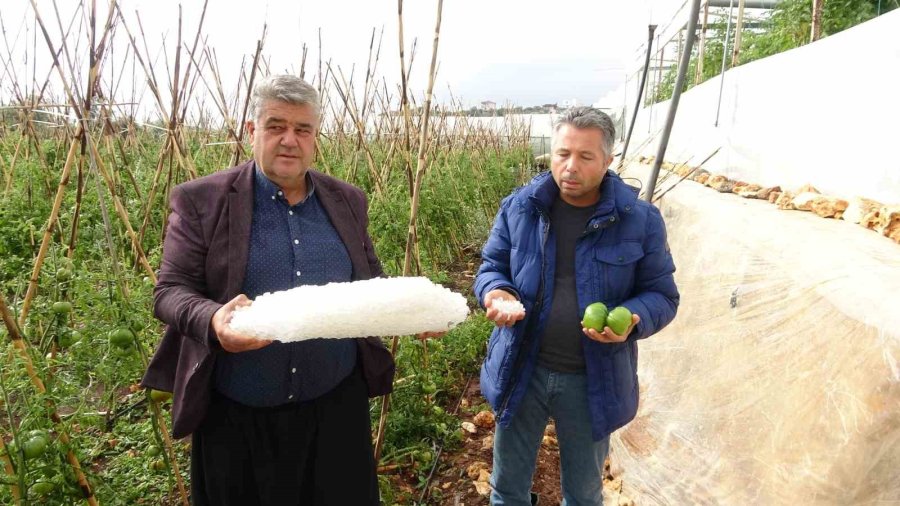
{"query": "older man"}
(571, 237)
(272, 423)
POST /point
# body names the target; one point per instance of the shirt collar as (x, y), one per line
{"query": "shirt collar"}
(265, 188)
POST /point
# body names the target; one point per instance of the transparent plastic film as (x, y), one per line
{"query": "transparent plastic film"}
(779, 380)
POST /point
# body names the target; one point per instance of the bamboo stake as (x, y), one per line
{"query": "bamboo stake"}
(48, 230)
(412, 238)
(9, 469)
(20, 345)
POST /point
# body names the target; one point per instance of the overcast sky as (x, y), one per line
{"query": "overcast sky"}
(526, 52)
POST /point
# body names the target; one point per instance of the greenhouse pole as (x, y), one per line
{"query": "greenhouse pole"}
(676, 96)
(637, 103)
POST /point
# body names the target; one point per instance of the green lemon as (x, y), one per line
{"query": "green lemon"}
(595, 316)
(619, 320)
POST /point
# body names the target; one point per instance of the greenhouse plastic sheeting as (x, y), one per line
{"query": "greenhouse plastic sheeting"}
(824, 114)
(779, 380)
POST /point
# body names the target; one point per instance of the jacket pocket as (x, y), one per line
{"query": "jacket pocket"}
(614, 268)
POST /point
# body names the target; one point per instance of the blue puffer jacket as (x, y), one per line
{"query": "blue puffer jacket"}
(622, 259)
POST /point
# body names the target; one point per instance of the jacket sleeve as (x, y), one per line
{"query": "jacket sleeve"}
(179, 298)
(495, 272)
(655, 297)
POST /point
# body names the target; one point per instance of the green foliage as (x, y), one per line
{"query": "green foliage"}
(92, 382)
(788, 27)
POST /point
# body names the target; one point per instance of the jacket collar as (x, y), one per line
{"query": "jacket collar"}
(616, 197)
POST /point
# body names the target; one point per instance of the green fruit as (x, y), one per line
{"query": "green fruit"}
(159, 395)
(136, 326)
(35, 446)
(153, 451)
(595, 316)
(157, 465)
(65, 338)
(42, 488)
(121, 338)
(62, 307)
(63, 274)
(429, 388)
(619, 320)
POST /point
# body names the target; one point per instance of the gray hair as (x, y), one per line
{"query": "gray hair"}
(588, 117)
(283, 88)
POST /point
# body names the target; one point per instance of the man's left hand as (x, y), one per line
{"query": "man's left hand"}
(608, 336)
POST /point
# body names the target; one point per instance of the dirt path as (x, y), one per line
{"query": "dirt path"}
(462, 475)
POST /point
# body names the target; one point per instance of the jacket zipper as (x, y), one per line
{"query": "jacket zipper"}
(535, 310)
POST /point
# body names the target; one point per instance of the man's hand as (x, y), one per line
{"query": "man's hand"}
(230, 340)
(500, 318)
(608, 336)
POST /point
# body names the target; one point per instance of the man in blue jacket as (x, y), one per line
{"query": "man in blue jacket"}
(569, 238)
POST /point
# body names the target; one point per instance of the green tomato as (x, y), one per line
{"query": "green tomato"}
(121, 338)
(42, 488)
(429, 388)
(35, 446)
(619, 320)
(62, 307)
(153, 451)
(595, 316)
(159, 395)
(65, 339)
(63, 274)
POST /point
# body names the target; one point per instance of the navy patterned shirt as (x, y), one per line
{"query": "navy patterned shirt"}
(289, 246)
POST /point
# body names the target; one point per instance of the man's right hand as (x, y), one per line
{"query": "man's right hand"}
(499, 317)
(230, 340)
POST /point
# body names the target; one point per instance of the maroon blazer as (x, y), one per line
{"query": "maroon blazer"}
(204, 259)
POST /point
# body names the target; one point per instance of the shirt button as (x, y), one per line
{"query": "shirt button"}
(596, 225)
(296, 241)
(291, 213)
(273, 197)
(280, 194)
(612, 219)
(298, 273)
(291, 396)
(293, 370)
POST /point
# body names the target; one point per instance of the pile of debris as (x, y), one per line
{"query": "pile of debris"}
(873, 215)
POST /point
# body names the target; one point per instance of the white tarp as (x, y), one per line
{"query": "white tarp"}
(779, 380)
(824, 114)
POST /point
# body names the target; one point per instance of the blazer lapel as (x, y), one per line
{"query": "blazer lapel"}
(240, 218)
(345, 222)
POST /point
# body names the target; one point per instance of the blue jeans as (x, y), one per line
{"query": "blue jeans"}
(564, 397)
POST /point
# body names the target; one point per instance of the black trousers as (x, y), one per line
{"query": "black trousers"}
(317, 452)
